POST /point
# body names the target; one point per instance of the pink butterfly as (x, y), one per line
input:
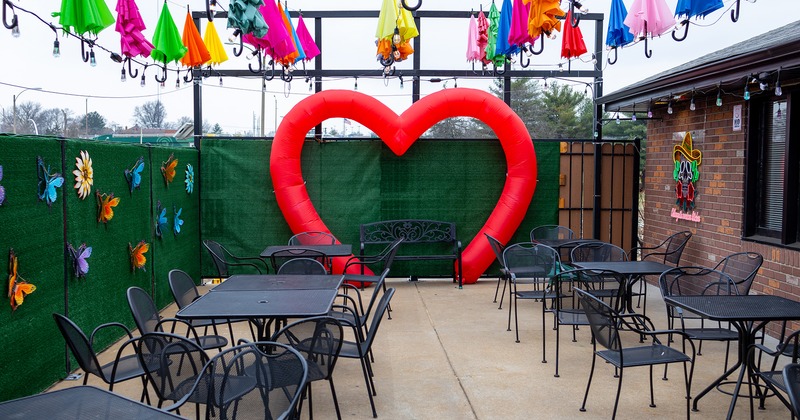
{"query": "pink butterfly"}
(79, 257)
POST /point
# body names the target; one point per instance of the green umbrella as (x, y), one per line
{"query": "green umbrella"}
(494, 26)
(246, 16)
(167, 39)
(81, 16)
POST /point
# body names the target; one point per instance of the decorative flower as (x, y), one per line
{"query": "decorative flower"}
(177, 223)
(189, 178)
(84, 175)
(138, 260)
(168, 168)
(105, 206)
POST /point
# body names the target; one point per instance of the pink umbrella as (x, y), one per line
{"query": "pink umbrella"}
(483, 36)
(130, 26)
(473, 51)
(306, 41)
(277, 41)
(649, 18)
(518, 34)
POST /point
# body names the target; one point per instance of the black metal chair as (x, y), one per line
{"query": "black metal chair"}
(668, 252)
(378, 263)
(123, 368)
(312, 238)
(530, 265)
(497, 248)
(788, 346)
(305, 266)
(224, 260)
(360, 349)
(145, 315)
(551, 232)
(791, 377)
(184, 291)
(742, 268)
(281, 257)
(319, 340)
(608, 327)
(353, 313)
(597, 252)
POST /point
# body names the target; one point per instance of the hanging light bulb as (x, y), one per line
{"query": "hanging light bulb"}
(669, 108)
(746, 93)
(401, 81)
(719, 96)
(649, 111)
(455, 82)
(142, 83)
(220, 80)
(692, 106)
(617, 119)
(545, 83)
(355, 85)
(633, 117)
(15, 29)
(779, 113)
(122, 76)
(178, 83)
(92, 59)
(56, 48)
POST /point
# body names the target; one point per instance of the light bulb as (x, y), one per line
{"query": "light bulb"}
(310, 87)
(220, 80)
(355, 86)
(455, 82)
(142, 83)
(401, 82)
(92, 60)
(779, 113)
(692, 106)
(763, 85)
(56, 48)
(633, 117)
(178, 83)
(15, 30)
(746, 93)
(669, 108)
(719, 98)
(617, 121)
(164, 84)
(122, 76)
(778, 89)
(649, 113)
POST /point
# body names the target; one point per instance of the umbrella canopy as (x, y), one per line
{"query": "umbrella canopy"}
(395, 28)
(697, 8)
(406, 25)
(483, 36)
(296, 54)
(572, 44)
(214, 44)
(473, 51)
(245, 15)
(518, 33)
(542, 17)
(491, 46)
(167, 41)
(196, 51)
(81, 16)
(618, 34)
(504, 45)
(130, 26)
(649, 18)
(306, 41)
(277, 42)
(387, 20)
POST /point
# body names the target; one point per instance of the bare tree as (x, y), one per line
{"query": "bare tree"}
(150, 115)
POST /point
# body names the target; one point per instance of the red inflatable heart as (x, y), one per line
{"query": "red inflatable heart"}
(399, 133)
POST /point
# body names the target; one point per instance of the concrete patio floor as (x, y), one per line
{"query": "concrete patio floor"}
(446, 354)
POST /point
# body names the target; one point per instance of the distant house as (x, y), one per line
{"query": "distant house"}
(733, 181)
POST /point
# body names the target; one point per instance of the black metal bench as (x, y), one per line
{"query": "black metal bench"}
(415, 232)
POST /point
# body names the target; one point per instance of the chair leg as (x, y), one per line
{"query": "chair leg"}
(558, 339)
(502, 295)
(367, 381)
(511, 287)
(589, 384)
(335, 400)
(619, 388)
(516, 316)
(544, 342)
(497, 289)
(652, 396)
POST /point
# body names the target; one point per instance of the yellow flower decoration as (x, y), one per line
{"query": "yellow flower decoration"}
(84, 175)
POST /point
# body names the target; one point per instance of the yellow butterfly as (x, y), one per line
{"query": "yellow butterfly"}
(105, 206)
(17, 287)
(138, 259)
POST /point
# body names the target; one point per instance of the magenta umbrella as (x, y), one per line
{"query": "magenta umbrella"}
(518, 34)
(306, 41)
(277, 42)
(130, 26)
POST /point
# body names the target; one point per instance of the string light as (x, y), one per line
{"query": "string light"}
(692, 106)
(122, 76)
(746, 93)
(401, 81)
(778, 89)
(617, 118)
(15, 29)
(633, 116)
(56, 48)
(92, 59)
(355, 85)
(669, 107)
(649, 110)
(719, 95)
(455, 81)
(220, 80)
(142, 83)
(178, 83)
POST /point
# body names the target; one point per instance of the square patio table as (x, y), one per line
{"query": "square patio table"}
(260, 306)
(748, 314)
(634, 270)
(565, 244)
(331, 250)
(254, 282)
(80, 402)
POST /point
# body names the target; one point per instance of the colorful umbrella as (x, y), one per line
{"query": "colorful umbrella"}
(167, 41)
(618, 34)
(518, 34)
(406, 25)
(297, 54)
(306, 41)
(483, 36)
(214, 44)
(395, 28)
(473, 52)
(572, 44)
(196, 51)
(81, 16)
(277, 42)
(697, 8)
(491, 47)
(649, 18)
(542, 17)
(504, 45)
(130, 26)
(245, 15)
(387, 20)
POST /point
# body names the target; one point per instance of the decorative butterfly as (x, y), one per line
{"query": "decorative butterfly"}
(168, 168)
(105, 206)
(134, 175)
(176, 225)
(189, 178)
(79, 257)
(161, 221)
(18, 288)
(138, 259)
(47, 182)
(2, 189)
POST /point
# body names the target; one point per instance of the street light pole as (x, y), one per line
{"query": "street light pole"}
(263, 106)
(15, 105)
(35, 128)
(276, 116)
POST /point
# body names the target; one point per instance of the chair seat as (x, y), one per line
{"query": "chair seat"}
(774, 377)
(712, 334)
(351, 349)
(644, 356)
(212, 342)
(361, 278)
(536, 294)
(569, 317)
(235, 388)
(128, 367)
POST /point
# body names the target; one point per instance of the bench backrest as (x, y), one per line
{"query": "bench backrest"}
(413, 231)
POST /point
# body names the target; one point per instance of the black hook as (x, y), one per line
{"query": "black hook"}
(614, 61)
(189, 76)
(409, 8)
(647, 51)
(386, 62)
(735, 12)
(131, 74)
(206, 72)
(524, 60)
(238, 33)
(286, 74)
(497, 70)
(684, 23)
(7, 5)
(164, 74)
(257, 54)
(576, 19)
(84, 54)
(272, 71)
(208, 9)
(541, 43)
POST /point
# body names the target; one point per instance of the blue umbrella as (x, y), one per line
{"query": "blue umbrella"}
(619, 34)
(503, 46)
(697, 8)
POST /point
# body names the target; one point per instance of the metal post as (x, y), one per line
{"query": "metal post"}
(275, 130)
(263, 106)
(597, 124)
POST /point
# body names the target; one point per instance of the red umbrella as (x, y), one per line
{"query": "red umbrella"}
(130, 26)
(572, 44)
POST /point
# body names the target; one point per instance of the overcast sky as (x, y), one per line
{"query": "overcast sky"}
(68, 82)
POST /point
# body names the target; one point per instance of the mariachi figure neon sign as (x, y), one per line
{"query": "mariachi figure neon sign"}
(687, 159)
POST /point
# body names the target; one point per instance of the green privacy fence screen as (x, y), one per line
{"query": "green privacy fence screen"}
(354, 182)
(32, 351)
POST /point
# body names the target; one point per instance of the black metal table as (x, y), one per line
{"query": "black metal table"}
(80, 402)
(260, 306)
(634, 270)
(330, 250)
(565, 244)
(255, 282)
(748, 314)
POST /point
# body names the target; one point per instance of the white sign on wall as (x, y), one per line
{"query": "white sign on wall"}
(737, 118)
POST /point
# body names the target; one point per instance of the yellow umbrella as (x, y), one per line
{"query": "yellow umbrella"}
(387, 20)
(214, 44)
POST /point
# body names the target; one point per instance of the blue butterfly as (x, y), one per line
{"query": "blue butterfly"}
(134, 175)
(176, 226)
(161, 222)
(47, 182)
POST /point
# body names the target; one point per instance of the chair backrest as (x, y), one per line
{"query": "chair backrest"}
(607, 285)
(173, 366)
(742, 268)
(531, 260)
(318, 339)
(312, 238)
(597, 252)
(378, 286)
(302, 266)
(670, 251)
(551, 232)
(694, 281)
(257, 380)
(380, 311)
(217, 252)
(281, 257)
(144, 311)
(391, 252)
(79, 345)
(791, 379)
(602, 321)
(497, 248)
(184, 291)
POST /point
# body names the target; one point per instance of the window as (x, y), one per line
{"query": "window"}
(772, 197)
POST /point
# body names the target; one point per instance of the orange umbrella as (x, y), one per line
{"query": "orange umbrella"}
(542, 17)
(196, 53)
